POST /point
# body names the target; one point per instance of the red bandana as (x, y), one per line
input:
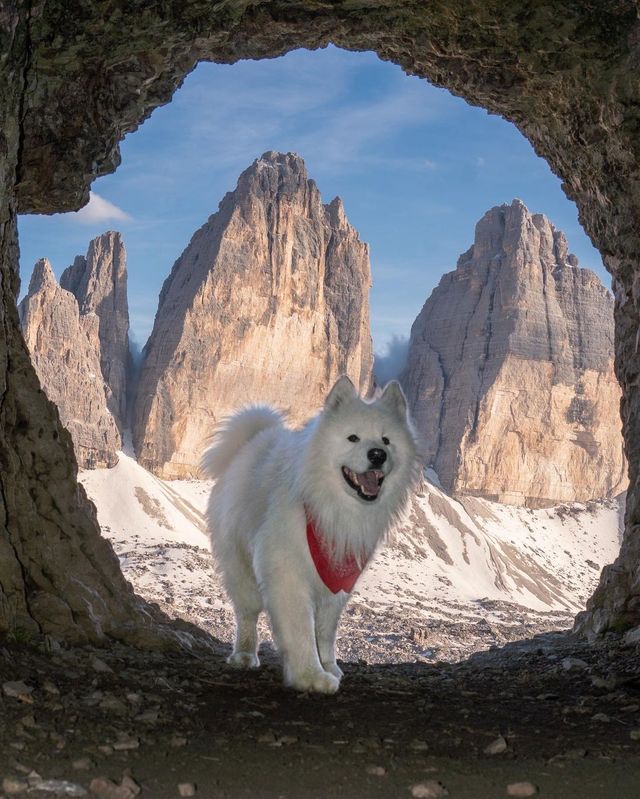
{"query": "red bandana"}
(337, 576)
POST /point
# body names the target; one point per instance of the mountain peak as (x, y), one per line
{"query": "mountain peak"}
(510, 228)
(510, 369)
(268, 303)
(42, 276)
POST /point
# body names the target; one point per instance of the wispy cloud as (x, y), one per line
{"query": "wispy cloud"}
(99, 210)
(290, 104)
(390, 363)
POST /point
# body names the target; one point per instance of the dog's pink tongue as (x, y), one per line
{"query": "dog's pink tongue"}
(369, 482)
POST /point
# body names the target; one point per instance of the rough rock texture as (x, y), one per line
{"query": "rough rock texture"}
(99, 283)
(65, 349)
(510, 370)
(75, 78)
(268, 303)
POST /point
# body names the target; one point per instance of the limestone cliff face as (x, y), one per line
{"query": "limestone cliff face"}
(268, 303)
(65, 351)
(99, 283)
(510, 370)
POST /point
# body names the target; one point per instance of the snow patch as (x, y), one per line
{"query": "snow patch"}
(457, 576)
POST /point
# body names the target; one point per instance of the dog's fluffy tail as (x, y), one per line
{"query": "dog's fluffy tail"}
(233, 433)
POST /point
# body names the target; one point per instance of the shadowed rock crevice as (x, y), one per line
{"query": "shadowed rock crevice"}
(565, 73)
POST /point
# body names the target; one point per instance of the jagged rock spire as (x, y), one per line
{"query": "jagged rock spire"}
(510, 370)
(268, 303)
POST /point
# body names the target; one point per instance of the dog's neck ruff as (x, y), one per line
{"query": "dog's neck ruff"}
(336, 575)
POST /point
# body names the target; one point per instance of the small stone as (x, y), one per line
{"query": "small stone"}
(18, 690)
(126, 744)
(113, 705)
(431, 789)
(57, 787)
(634, 735)
(51, 688)
(496, 747)
(376, 771)
(571, 664)
(100, 666)
(178, 740)
(148, 717)
(187, 789)
(82, 764)
(105, 749)
(521, 789)
(418, 745)
(105, 788)
(575, 754)
(12, 787)
(600, 717)
(609, 682)
(29, 722)
(131, 785)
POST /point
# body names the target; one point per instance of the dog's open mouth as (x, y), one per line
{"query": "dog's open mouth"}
(366, 484)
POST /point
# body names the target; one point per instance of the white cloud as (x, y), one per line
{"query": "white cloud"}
(389, 365)
(99, 210)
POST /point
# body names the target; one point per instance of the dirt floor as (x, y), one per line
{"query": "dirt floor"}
(550, 716)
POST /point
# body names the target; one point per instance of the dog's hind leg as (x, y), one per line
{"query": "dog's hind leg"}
(247, 603)
(327, 617)
(245, 647)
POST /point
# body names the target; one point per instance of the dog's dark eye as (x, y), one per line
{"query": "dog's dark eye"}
(385, 440)
(353, 438)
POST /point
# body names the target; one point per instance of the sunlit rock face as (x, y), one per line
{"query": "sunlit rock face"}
(99, 283)
(510, 370)
(65, 350)
(268, 303)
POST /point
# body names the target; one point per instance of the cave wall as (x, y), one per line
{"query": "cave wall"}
(76, 77)
(58, 576)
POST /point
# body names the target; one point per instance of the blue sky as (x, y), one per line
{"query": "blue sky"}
(415, 166)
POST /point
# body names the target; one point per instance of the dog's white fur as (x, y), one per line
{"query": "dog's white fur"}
(266, 475)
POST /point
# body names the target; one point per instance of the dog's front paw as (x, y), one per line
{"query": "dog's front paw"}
(243, 660)
(334, 669)
(320, 682)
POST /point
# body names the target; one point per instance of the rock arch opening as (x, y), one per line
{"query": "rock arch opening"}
(278, 269)
(567, 87)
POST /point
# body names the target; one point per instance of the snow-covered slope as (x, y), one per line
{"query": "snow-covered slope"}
(458, 575)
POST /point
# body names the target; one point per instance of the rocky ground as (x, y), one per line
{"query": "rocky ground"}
(550, 716)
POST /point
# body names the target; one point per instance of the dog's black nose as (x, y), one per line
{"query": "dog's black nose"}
(377, 457)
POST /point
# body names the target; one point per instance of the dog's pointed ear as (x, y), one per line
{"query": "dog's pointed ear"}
(393, 398)
(342, 391)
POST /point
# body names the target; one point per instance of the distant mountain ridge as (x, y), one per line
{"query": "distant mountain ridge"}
(510, 374)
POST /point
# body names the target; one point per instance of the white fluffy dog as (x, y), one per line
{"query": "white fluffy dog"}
(295, 514)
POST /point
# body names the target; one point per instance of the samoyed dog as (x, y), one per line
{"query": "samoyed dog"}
(295, 515)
